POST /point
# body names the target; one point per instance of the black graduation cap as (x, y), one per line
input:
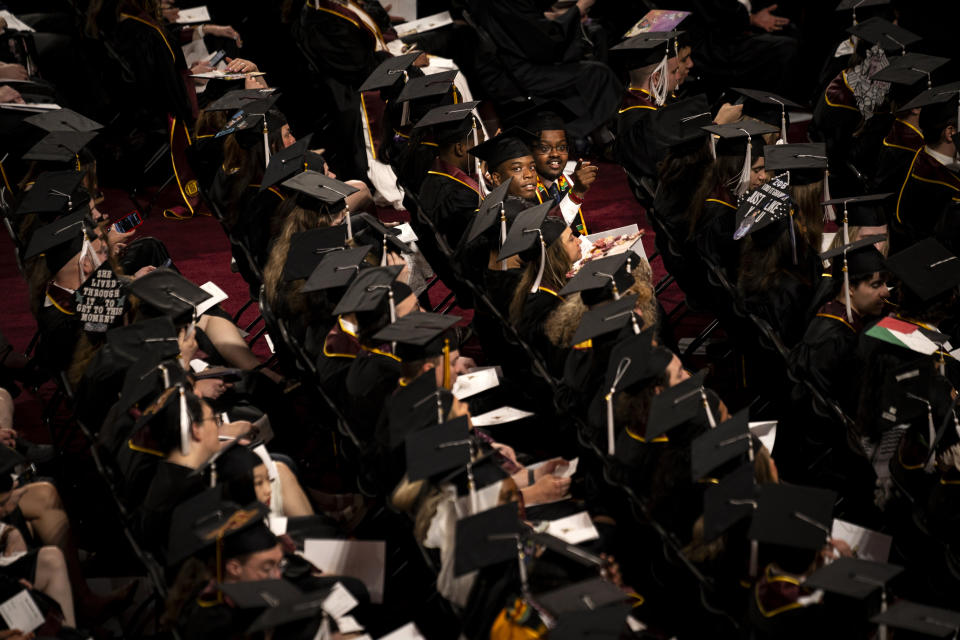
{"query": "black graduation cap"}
(418, 405)
(861, 211)
(170, 294)
(146, 378)
(438, 449)
(605, 623)
(727, 503)
(889, 36)
(681, 122)
(156, 336)
(861, 243)
(796, 157)
(927, 268)
(793, 516)
(860, 258)
(934, 96)
(100, 300)
(368, 289)
(427, 86)
(543, 115)
(729, 441)
(584, 596)
(60, 241)
(853, 578)
(286, 162)
(910, 69)
(206, 520)
(772, 99)
(450, 122)
(60, 146)
(421, 335)
(762, 207)
(607, 318)
(608, 275)
(853, 5)
(63, 120)
(368, 226)
(238, 99)
(919, 618)
(165, 422)
(308, 248)
(53, 192)
(491, 211)
(486, 538)
(508, 145)
(322, 192)
(389, 72)
(261, 593)
(643, 49)
(526, 231)
(250, 116)
(734, 136)
(680, 404)
(337, 269)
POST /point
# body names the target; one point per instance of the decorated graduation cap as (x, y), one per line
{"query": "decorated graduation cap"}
(767, 205)
(486, 538)
(101, 300)
(715, 449)
(450, 123)
(727, 503)
(56, 192)
(635, 361)
(258, 116)
(61, 146)
(63, 120)
(927, 268)
(684, 403)
(770, 98)
(608, 318)
(858, 258)
(288, 162)
(793, 516)
(423, 335)
(368, 289)
(61, 241)
(649, 48)
(910, 69)
(920, 619)
(680, 123)
(532, 228)
(237, 99)
(390, 72)
(508, 145)
(418, 405)
(737, 139)
(145, 380)
(882, 32)
(167, 293)
(308, 248)
(337, 269)
(207, 520)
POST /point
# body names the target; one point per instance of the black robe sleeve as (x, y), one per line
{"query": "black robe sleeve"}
(531, 35)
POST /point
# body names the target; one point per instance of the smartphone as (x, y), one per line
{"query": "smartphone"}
(217, 57)
(132, 221)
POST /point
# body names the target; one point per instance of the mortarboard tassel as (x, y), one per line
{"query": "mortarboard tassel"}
(184, 424)
(829, 212)
(706, 407)
(165, 374)
(383, 254)
(783, 123)
(846, 288)
(659, 87)
(543, 260)
(629, 264)
(744, 184)
(611, 437)
(266, 143)
(636, 325)
(446, 363)
(349, 224)
(392, 304)
(713, 146)
(503, 233)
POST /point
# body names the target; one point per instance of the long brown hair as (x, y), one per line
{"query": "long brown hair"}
(808, 212)
(299, 219)
(555, 270)
(718, 177)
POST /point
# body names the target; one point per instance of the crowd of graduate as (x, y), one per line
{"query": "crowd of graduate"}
(534, 456)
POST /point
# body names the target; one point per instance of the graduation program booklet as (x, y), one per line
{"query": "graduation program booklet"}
(866, 544)
(194, 15)
(423, 24)
(361, 559)
(609, 243)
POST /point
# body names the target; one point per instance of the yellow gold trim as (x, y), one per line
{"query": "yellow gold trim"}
(152, 452)
(447, 175)
(833, 317)
(155, 28)
(59, 308)
(904, 185)
(720, 202)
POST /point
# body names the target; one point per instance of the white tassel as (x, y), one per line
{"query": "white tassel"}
(846, 288)
(636, 325)
(744, 184)
(383, 254)
(659, 87)
(349, 225)
(622, 368)
(393, 305)
(829, 212)
(783, 125)
(184, 424)
(266, 143)
(503, 233)
(706, 407)
(932, 434)
(543, 260)
(713, 146)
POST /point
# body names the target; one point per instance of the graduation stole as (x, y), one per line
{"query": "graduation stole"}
(455, 174)
(563, 185)
(156, 28)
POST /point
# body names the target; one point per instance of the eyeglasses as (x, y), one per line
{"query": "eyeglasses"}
(544, 148)
(217, 420)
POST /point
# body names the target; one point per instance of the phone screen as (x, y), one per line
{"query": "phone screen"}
(131, 221)
(217, 57)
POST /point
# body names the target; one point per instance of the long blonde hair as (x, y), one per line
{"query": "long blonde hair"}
(555, 270)
(298, 220)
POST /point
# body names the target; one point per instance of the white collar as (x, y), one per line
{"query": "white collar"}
(942, 158)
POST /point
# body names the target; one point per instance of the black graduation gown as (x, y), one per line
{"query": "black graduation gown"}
(536, 309)
(835, 119)
(59, 328)
(713, 237)
(635, 147)
(785, 304)
(927, 194)
(449, 200)
(828, 353)
(899, 148)
(172, 485)
(255, 223)
(371, 379)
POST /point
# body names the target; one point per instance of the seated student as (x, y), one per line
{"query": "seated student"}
(508, 155)
(246, 479)
(44, 568)
(551, 153)
(449, 193)
(548, 248)
(931, 187)
(903, 138)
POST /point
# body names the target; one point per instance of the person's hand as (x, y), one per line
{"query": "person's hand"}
(11, 71)
(223, 32)
(142, 271)
(611, 570)
(201, 66)
(187, 340)
(547, 489)
(9, 94)
(239, 65)
(10, 500)
(236, 429)
(15, 542)
(507, 452)
(463, 365)
(118, 238)
(422, 61)
(548, 467)
(16, 634)
(8, 438)
(211, 388)
(764, 19)
(395, 258)
(729, 113)
(840, 547)
(584, 176)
